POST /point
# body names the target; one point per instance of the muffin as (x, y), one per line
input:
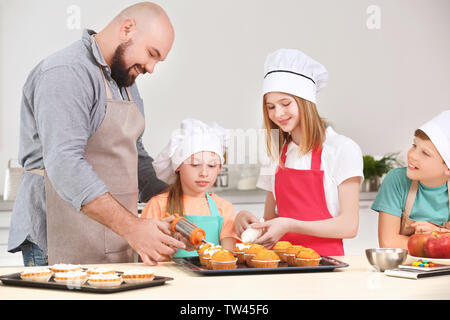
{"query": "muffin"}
(207, 254)
(74, 278)
(100, 270)
(223, 260)
(291, 254)
(105, 280)
(240, 250)
(280, 248)
(248, 256)
(36, 274)
(265, 259)
(60, 268)
(135, 276)
(307, 257)
(202, 248)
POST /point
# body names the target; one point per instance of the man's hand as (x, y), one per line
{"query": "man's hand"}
(189, 245)
(152, 240)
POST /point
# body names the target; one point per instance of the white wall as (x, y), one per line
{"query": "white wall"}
(383, 83)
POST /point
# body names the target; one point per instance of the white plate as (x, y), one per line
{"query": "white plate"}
(441, 261)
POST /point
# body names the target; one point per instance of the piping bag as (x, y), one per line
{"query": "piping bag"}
(249, 235)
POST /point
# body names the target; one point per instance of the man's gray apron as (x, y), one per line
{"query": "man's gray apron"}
(73, 237)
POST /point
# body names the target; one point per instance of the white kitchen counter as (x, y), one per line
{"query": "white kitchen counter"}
(359, 281)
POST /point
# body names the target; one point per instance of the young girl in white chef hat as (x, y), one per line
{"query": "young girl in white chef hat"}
(313, 182)
(415, 199)
(190, 163)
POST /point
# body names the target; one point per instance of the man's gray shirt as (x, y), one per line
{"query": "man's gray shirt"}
(63, 104)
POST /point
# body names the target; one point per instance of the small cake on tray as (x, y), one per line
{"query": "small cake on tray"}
(135, 276)
(307, 257)
(280, 248)
(60, 268)
(105, 280)
(100, 270)
(248, 256)
(223, 260)
(291, 254)
(74, 278)
(240, 250)
(36, 274)
(265, 259)
(207, 254)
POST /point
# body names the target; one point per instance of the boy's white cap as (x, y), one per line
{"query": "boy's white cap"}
(292, 71)
(193, 136)
(438, 130)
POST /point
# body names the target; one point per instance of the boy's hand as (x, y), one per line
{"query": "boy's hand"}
(424, 227)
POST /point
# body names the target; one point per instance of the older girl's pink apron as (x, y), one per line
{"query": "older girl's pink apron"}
(300, 195)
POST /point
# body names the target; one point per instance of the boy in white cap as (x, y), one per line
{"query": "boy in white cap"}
(313, 182)
(415, 199)
(190, 163)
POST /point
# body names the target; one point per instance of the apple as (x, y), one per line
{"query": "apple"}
(416, 244)
(438, 246)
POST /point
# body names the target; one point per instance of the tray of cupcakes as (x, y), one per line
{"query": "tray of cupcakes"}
(75, 278)
(254, 258)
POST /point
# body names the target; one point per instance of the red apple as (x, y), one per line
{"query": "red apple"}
(416, 243)
(438, 246)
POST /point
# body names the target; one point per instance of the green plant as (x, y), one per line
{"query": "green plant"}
(377, 168)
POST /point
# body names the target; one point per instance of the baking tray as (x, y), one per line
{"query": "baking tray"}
(193, 264)
(14, 279)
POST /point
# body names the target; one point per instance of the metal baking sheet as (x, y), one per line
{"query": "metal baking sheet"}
(193, 264)
(14, 279)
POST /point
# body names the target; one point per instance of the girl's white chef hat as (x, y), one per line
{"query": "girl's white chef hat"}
(193, 136)
(292, 71)
(438, 130)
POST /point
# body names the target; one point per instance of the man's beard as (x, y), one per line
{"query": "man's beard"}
(119, 71)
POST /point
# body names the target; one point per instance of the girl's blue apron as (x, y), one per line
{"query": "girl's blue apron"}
(211, 224)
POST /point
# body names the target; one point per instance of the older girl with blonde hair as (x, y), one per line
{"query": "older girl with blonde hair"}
(314, 177)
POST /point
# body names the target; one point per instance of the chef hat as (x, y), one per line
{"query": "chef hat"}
(438, 130)
(193, 136)
(292, 71)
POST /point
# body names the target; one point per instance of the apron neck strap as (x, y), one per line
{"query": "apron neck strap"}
(412, 196)
(212, 206)
(316, 157)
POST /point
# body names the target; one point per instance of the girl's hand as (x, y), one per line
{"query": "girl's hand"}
(424, 227)
(274, 230)
(243, 220)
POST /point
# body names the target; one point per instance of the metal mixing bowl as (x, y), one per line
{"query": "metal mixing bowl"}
(386, 258)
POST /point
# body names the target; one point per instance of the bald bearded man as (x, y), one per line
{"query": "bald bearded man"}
(82, 121)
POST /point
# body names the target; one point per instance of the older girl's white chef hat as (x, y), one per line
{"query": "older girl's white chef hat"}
(438, 130)
(292, 71)
(193, 136)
